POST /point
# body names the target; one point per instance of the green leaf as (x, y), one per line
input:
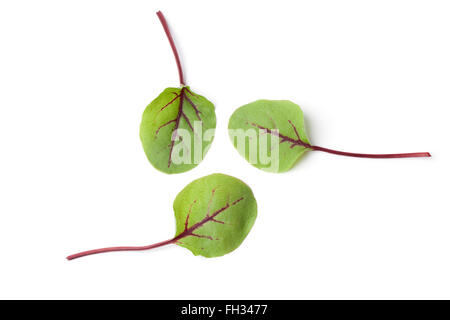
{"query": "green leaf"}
(177, 129)
(270, 134)
(214, 214)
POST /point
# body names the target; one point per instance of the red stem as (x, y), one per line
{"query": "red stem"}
(300, 142)
(188, 231)
(172, 45)
(112, 249)
(364, 155)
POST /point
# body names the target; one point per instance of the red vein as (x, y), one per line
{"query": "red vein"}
(207, 218)
(283, 137)
(186, 222)
(236, 201)
(299, 142)
(170, 102)
(187, 232)
(187, 120)
(162, 126)
(182, 94)
(191, 93)
(172, 45)
(177, 124)
(218, 221)
(213, 191)
(197, 112)
(201, 236)
(295, 130)
(180, 114)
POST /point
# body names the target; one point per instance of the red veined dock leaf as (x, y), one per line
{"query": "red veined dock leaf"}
(271, 135)
(213, 216)
(177, 127)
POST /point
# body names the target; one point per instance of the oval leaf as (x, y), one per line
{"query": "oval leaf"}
(270, 134)
(214, 214)
(177, 129)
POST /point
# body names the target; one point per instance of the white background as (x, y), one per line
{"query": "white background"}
(371, 76)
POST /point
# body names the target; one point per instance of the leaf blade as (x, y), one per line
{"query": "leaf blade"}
(220, 211)
(280, 118)
(176, 111)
